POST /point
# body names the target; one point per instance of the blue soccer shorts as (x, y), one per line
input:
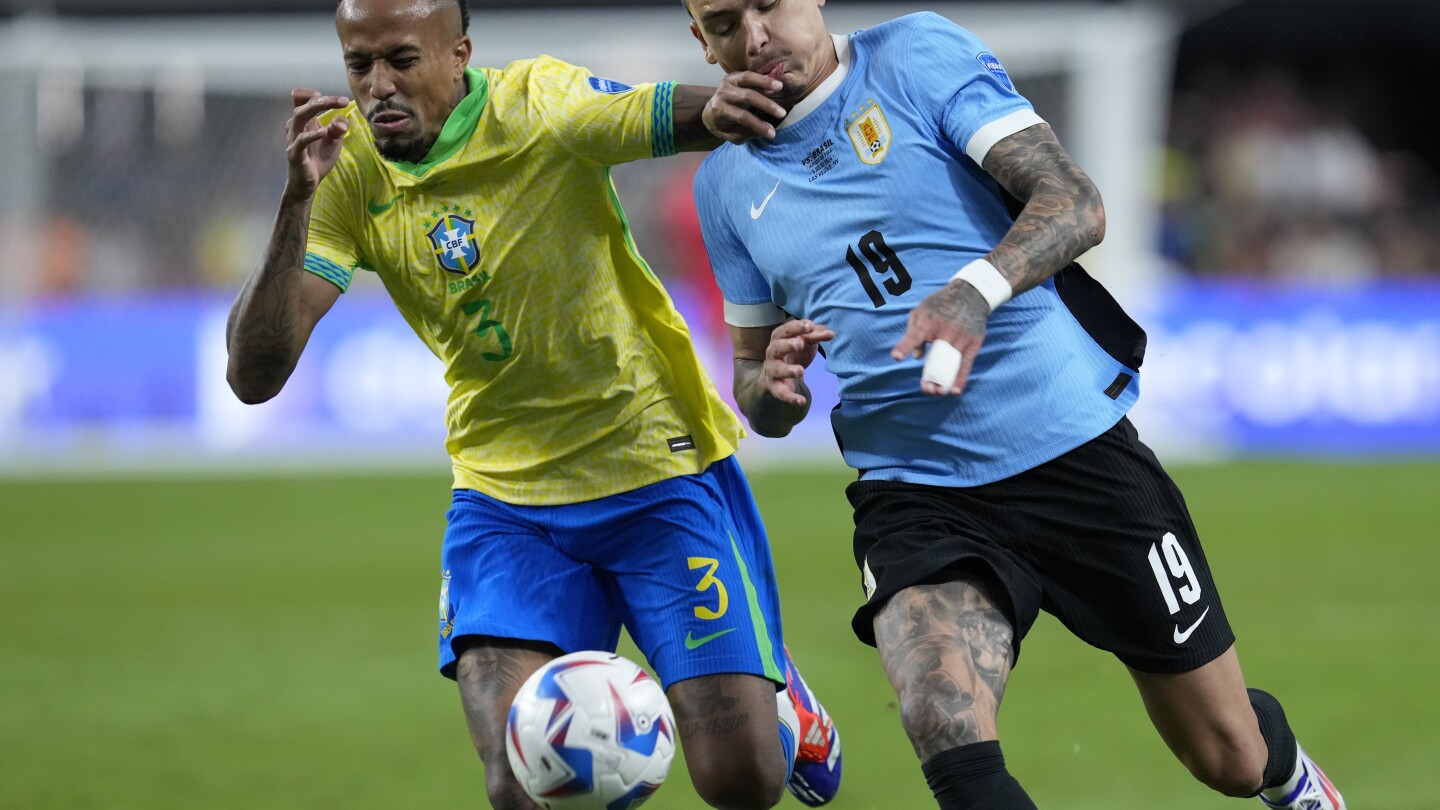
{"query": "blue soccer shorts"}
(683, 564)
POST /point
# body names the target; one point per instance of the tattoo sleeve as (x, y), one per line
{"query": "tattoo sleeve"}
(946, 650)
(688, 107)
(1063, 215)
(265, 332)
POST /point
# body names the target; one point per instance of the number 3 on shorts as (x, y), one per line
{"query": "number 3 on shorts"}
(706, 582)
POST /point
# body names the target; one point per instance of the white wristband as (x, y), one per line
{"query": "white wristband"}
(983, 276)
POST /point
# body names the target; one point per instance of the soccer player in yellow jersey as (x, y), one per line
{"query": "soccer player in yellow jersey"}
(594, 478)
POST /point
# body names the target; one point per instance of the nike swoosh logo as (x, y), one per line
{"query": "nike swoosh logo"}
(376, 209)
(1182, 637)
(756, 212)
(692, 643)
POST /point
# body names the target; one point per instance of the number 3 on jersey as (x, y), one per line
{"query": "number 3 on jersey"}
(884, 261)
(486, 325)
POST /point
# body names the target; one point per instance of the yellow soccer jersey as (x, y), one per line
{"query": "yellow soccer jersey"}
(571, 373)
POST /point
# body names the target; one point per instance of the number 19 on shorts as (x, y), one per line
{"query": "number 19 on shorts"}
(1170, 565)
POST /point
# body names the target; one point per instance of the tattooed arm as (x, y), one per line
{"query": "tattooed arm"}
(280, 304)
(1063, 217)
(275, 312)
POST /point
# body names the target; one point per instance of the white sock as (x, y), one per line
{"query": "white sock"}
(789, 728)
(1280, 792)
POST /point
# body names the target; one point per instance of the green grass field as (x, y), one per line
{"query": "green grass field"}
(269, 643)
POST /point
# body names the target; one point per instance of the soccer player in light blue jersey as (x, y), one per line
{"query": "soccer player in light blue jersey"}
(912, 205)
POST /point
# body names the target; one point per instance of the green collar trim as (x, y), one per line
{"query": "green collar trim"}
(458, 127)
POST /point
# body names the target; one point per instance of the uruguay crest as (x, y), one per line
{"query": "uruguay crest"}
(453, 239)
(870, 134)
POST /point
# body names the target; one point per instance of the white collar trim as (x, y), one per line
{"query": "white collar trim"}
(826, 89)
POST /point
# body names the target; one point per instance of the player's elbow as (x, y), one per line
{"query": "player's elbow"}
(771, 430)
(250, 387)
(251, 395)
(762, 416)
(775, 421)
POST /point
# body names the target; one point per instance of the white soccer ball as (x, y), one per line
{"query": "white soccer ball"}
(590, 730)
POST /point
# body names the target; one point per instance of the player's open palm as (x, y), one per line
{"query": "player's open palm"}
(312, 149)
(793, 346)
(951, 321)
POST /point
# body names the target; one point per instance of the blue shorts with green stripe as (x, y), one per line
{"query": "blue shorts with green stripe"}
(683, 564)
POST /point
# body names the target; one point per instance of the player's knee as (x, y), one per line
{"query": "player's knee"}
(504, 791)
(738, 796)
(1233, 767)
(501, 786)
(738, 782)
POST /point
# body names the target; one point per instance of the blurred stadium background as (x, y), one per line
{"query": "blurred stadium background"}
(204, 604)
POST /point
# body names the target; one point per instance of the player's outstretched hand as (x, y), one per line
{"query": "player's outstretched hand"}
(741, 110)
(792, 348)
(951, 321)
(312, 149)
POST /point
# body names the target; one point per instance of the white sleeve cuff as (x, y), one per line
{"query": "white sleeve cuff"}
(998, 130)
(751, 315)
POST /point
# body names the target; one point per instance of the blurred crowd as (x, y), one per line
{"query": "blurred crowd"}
(136, 204)
(1268, 175)
(1263, 174)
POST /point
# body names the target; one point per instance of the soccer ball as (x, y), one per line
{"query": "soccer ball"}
(590, 730)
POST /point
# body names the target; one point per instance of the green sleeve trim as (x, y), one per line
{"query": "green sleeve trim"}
(662, 120)
(625, 227)
(328, 270)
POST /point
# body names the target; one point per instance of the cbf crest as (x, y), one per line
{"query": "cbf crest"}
(870, 133)
(454, 243)
(447, 616)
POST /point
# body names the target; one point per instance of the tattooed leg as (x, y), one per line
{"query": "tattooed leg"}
(490, 672)
(946, 648)
(728, 726)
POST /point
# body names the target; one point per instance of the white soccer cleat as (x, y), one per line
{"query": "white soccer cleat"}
(1312, 790)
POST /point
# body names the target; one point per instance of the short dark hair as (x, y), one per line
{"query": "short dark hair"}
(463, 5)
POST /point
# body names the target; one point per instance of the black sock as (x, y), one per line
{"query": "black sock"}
(1278, 738)
(973, 777)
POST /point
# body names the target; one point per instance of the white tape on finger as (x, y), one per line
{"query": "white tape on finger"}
(942, 364)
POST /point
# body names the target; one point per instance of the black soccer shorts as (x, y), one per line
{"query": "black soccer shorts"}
(1100, 538)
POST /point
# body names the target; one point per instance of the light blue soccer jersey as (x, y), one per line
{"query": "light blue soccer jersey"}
(871, 197)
